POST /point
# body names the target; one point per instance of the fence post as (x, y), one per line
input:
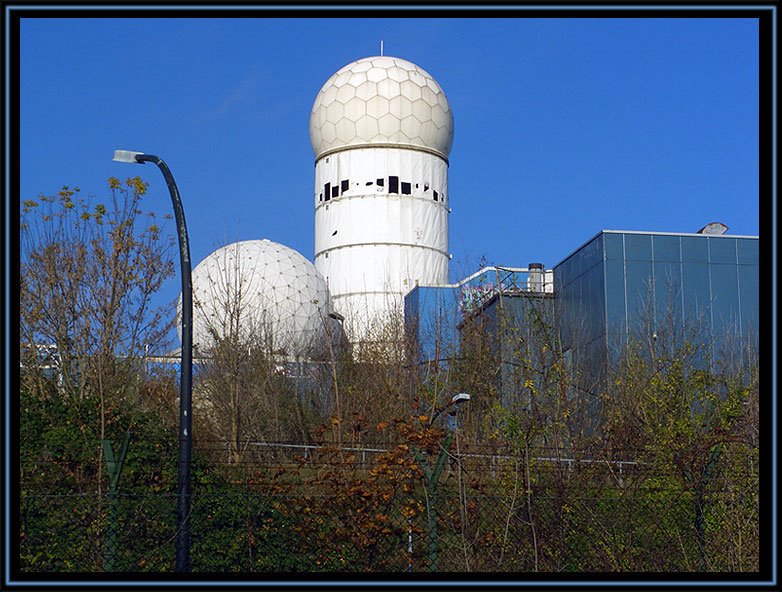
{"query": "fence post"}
(432, 478)
(114, 466)
(409, 544)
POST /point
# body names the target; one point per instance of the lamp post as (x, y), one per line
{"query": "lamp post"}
(433, 475)
(186, 382)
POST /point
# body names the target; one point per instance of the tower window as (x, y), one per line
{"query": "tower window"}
(405, 188)
(369, 183)
(320, 197)
(393, 184)
(426, 186)
(335, 191)
(434, 195)
(381, 182)
(345, 185)
(327, 191)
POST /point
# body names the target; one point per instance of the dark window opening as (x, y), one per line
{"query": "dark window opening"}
(406, 188)
(381, 182)
(426, 186)
(345, 185)
(393, 184)
(335, 191)
(334, 233)
(434, 195)
(327, 190)
(416, 185)
(369, 183)
(320, 197)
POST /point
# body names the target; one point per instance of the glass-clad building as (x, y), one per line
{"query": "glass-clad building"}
(433, 314)
(519, 323)
(621, 284)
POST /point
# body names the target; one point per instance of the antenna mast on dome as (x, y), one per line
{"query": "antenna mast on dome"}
(381, 47)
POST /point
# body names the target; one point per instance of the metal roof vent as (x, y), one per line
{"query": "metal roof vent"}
(714, 229)
(535, 278)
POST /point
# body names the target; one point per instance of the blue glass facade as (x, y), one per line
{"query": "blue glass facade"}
(622, 284)
(619, 285)
(520, 324)
(433, 313)
(432, 316)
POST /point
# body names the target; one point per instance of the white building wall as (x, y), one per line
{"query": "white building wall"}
(376, 237)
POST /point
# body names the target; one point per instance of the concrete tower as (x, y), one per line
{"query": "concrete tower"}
(382, 130)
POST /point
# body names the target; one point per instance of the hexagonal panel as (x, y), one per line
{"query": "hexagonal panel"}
(429, 96)
(357, 78)
(329, 95)
(361, 66)
(335, 111)
(411, 127)
(341, 78)
(389, 125)
(440, 117)
(430, 82)
(401, 107)
(428, 132)
(421, 111)
(445, 137)
(405, 65)
(377, 106)
(417, 78)
(345, 93)
(328, 132)
(323, 116)
(388, 88)
(367, 127)
(376, 74)
(346, 129)
(398, 74)
(384, 62)
(366, 90)
(355, 108)
(410, 90)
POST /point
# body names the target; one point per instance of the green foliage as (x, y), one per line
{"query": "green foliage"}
(665, 478)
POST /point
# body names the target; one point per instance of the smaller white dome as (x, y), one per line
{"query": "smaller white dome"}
(381, 100)
(259, 288)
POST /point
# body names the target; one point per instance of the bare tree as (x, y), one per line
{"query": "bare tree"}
(248, 385)
(87, 279)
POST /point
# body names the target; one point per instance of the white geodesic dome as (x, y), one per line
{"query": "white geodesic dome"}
(381, 100)
(259, 288)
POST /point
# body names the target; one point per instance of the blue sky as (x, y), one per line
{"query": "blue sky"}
(563, 127)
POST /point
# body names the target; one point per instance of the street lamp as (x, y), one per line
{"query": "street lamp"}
(186, 382)
(455, 400)
(433, 474)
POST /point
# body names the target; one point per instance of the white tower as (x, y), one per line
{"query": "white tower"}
(381, 129)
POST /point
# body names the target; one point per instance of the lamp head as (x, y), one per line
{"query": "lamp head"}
(127, 156)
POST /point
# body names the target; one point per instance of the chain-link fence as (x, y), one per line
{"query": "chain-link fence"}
(485, 516)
